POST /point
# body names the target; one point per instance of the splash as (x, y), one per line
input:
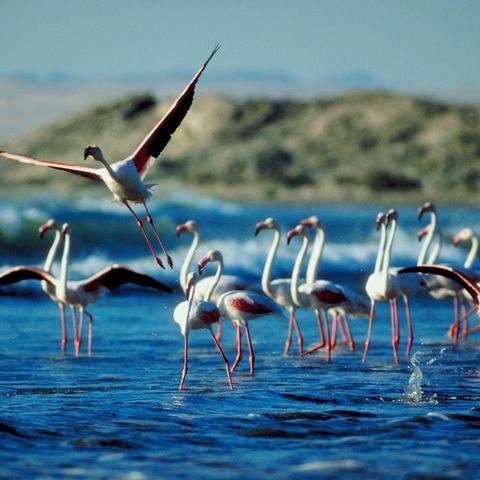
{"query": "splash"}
(414, 392)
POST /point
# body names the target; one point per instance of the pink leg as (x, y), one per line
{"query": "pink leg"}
(464, 317)
(288, 341)
(239, 347)
(394, 330)
(369, 331)
(351, 343)
(453, 334)
(61, 306)
(250, 349)
(409, 325)
(328, 347)
(218, 336)
(342, 329)
(322, 338)
(80, 329)
(140, 226)
(227, 367)
(333, 337)
(75, 330)
(150, 221)
(473, 329)
(90, 333)
(296, 326)
(185, 363)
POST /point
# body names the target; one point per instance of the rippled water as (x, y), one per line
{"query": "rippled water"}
(119, 414)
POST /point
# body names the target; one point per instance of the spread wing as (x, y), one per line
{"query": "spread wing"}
(117, 275)
(22, 272)
(157, 139)
(76, 169)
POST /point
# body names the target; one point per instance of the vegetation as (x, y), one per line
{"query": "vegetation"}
(356, 147)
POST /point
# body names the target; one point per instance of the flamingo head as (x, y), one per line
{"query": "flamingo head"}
(191, 279)
(381, 219)
(51, 224)
(267, 223)
(312, 221)
(188, 226)
(299, 230)
(392, 215)
(65, 229)
(425, 207)
(423, 232)
(463, 235)
(94, 152)
(211, 256)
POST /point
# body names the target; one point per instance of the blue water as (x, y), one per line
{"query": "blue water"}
(119, 414)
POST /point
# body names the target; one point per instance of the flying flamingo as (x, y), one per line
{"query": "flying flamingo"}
(125, 177)
(194, 314)
(240, 306)
(225, 283)
(279, 289)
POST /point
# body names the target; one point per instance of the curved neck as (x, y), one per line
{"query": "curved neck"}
(316, 255)
(188, 259)
(296, 271)
(52, 253)
(381, 248)
(216, 279)
(267, 269)
(472, 254)
(435, 249)
(387, 253)
(62, 284)
(427, 242)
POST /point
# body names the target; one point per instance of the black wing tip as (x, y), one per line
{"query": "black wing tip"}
(216, 48)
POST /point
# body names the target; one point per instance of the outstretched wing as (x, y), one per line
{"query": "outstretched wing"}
(117, 275)
(22, 272)
(76, 169)
(157, 139)
(464, 280)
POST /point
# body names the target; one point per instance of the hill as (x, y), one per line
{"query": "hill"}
(354, 147)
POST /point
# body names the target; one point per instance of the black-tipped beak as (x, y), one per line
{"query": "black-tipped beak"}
(86, 153)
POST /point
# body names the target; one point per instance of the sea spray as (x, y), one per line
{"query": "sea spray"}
(413, 392)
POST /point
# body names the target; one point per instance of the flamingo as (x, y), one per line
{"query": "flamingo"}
(125, 177)
(194, 314)
(81, 293)
(240, 306)
(382, 284)
(225, 283)
(279, 289)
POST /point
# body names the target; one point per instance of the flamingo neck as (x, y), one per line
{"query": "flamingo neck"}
(188, 259)
(387, 253)
(316, 255)
(267, 270)
(214, 283)
(62, 285)
(426, 244)
(381, 248)
(52, 253)
(436, 248)
(472, 254)
(296, 271)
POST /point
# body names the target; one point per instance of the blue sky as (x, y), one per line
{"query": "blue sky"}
(407, 44)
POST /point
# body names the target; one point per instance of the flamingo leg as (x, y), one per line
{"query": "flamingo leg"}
(322, 338)
(250, 350)
(61, 306)
(157, 236)
(453, 332)
(141, 227)
(328, 347)
(90, 332)
(239, 347)
(351, 342)
(394, 319)
(409, 325)
(80, 328)
(299, 333)
(218, 336)
(369, 331)
(473, 329)
(342, 329)
(333, 336)
(464, 317)
(227, 366)
(75, 330)
(185, 363)
(288, 341)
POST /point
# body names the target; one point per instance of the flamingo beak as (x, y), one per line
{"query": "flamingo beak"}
(180, 229)
(259, 227)
(201, 264)
(86, 153)
(292, 233)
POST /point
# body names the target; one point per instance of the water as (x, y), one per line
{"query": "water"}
(119, 414)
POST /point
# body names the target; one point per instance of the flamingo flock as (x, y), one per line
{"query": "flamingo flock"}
(210, 299)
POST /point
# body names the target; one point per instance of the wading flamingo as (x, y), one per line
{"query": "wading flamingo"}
(225, 283)
(80, 293)
(125, 177)
(279, 289)
(194, 314)
(240, 307)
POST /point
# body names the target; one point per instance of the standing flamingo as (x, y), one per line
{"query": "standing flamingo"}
(279, 289)
(240, 307)
(125, 177)
(194, 314)
(80, 293)
(224, 284)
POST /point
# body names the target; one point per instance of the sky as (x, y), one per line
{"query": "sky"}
(423, 44)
